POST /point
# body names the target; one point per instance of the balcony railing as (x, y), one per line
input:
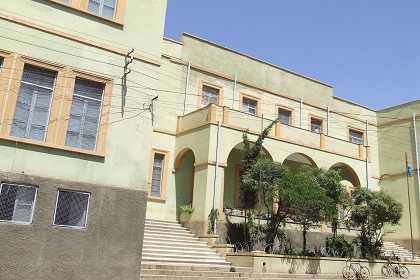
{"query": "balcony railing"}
(241, 121)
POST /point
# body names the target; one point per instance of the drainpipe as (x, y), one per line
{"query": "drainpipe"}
(417, 152)
(186, 88)
(328, 120)
(234, 92)
(216, 172)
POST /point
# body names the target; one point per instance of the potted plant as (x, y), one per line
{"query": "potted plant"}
(186, 212)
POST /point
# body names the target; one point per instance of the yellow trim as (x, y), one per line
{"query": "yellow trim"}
(60, 105)
(243, 96)
(82, 5)
(79, 39)
(164, 173)
(213, 86)
(6, 70)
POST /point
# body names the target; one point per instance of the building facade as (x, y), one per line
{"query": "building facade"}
(76, 87)
(104, 122)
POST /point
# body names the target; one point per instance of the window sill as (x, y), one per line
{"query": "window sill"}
(53, 146)
(157, 199)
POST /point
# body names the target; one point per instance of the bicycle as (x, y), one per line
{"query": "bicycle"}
(351, 272)
(395, 269)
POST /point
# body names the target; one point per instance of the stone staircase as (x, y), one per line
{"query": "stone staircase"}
(172, 252)
(391, 250)
(167, 243)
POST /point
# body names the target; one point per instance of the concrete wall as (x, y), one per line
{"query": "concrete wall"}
(108, 248)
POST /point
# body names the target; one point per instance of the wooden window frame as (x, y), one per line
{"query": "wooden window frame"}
(164, 174)
(351, 128)
(210, 85)
(6, 70)
(82, 5)
(290, 110)
(60, 106)
(243, 96)
(313, 117)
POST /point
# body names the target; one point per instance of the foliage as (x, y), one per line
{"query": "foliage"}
(267, 179)
(309, 202)
(371, 211)
(187, 209)
(213, 216)
(227, 204)
(337, 246)
(251, 154)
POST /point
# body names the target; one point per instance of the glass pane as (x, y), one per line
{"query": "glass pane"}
(85, 115)
(209, 95)
(71, 209)
(284, 117)
(156, 186)
(30, 119)
(94, 6)
(17, 203)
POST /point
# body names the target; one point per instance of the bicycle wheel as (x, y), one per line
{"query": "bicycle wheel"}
(404, 272)
(348, 273)
(364, 273)
(386, 270)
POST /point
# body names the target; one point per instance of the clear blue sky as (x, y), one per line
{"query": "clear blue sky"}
(368, 50)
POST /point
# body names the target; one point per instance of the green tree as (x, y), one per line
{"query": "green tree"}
(268, 179)
(371, 211)
(252, 152)
(309, 203)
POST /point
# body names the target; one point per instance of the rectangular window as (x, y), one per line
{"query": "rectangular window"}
(1, 63)
(316, 125)
(156, 188)
(85, 115)
(249, 106)
(157, 174)
(71, 208)
(104, 8)
(53, 106)
(285, 116)
(107, 9)
(30, 119)
(209, 95)
(17, 203)
(355, 136)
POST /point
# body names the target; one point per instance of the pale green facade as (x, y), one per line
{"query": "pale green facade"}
(157, 142)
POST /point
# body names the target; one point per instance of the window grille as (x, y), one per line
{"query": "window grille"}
(30, 119)
(249, 106)
(105, 8)
(17, 202)
(156, 187)
(65, 1)
(356, 137)
(85, 115)
(316, 125)
(209, 95)
(71, 208)
(285, 117)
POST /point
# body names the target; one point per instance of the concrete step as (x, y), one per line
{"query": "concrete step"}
(178, 231)
(172, 242)
(169, 236)
(184, 260)
(181, 251)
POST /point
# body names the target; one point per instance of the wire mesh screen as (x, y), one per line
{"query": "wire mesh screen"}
(71, 208)
(157, 175)
(17, 203)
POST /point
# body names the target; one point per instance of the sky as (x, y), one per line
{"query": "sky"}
(368, 50)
